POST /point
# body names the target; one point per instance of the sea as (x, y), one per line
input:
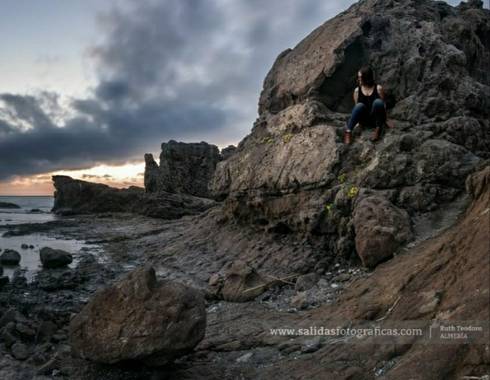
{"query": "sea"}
(33, 209)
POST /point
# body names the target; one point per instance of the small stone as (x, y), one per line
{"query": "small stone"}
(312, 345)
(245, 358)
(306, 281)
(20, 351)
(8, 338)
(24, 246)
(342, 277)
(300, 300)
(25, 330)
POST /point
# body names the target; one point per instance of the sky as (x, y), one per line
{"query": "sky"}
(88, 86)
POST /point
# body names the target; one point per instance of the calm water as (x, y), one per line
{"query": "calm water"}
(35, 210)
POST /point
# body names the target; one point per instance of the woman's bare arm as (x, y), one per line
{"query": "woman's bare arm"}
(356, 95)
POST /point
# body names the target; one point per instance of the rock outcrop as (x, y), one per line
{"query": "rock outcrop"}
(73, 196)
(292, 173)
(139, 319)
(185, 168)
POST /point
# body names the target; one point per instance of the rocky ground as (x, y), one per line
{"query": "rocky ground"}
(422, 282)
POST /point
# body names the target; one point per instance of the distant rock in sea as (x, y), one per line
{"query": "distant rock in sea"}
(9, 205)
(73, 196)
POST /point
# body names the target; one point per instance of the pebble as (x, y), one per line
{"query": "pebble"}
(245, 358)
(20, 351)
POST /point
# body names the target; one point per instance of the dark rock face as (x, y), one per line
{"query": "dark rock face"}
(10, 257)
(74, 196)
(139, 319)
(293, 174)
(54, 258)
(184, 168)
(8, 205)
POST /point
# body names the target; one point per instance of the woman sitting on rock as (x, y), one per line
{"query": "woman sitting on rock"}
(370, 108)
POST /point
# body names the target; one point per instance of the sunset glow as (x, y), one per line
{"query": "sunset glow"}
(130, 174)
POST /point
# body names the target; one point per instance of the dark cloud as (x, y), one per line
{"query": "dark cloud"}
(190, 70)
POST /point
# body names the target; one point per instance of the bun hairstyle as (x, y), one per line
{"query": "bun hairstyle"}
(367, 75)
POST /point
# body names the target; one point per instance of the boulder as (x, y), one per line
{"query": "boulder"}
(54, 258)
(239, 278)
(10, 257)
(139, 319)
(380, 228)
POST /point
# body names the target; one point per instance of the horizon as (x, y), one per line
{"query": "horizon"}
(125, 74)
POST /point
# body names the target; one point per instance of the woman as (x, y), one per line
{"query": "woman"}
(370, 108)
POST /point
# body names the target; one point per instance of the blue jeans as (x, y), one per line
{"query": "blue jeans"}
(361, 114)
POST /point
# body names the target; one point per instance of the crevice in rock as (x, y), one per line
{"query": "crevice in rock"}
(336, 90)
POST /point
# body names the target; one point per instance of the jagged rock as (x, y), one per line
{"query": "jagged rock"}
(228, 151)
(54, 258)
(10, 257)
(239, 278)
(73, 196)
(8, 205)
(185, 168)
(380, 229)
(139, 319)
(293, 174)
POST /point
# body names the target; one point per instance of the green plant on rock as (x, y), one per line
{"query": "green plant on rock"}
(328, 208)
(342, 178)
(287, 137)
(267, 140)
(353, 191)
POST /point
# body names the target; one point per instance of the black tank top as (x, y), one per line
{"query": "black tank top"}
(368, 100)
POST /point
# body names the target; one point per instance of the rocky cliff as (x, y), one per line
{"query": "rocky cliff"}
(184, 168)
(292, 173)
(73, 196)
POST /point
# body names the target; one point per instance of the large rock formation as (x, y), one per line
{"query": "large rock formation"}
(73, 196)
(139, 319)
(184, 168)
(293, 174)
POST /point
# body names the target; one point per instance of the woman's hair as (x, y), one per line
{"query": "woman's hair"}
(367, 75)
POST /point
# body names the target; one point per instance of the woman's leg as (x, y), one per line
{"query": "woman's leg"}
(358, 113)
(379, 112)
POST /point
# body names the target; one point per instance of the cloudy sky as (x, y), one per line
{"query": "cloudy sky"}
(88, 86)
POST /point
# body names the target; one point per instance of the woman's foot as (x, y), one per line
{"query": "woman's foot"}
(347, 137)
(376, 134)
